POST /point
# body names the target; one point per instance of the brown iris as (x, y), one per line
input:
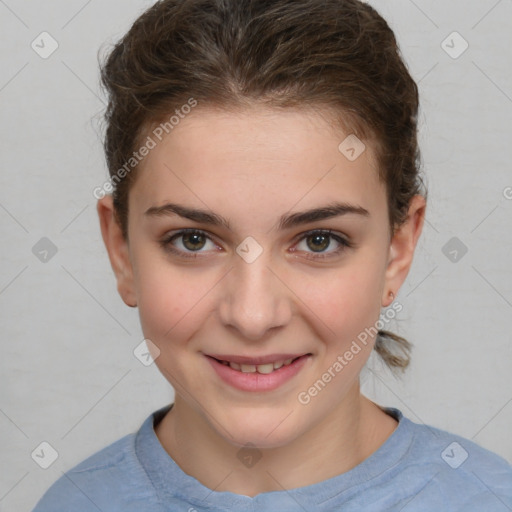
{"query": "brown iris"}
(193, 241)
(321, 241)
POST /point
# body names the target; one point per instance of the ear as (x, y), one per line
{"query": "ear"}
(402, 246)
(118, 250)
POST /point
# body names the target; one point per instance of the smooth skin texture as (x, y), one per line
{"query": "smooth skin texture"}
(251, 167)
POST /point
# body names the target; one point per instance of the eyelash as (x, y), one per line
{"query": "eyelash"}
(167, 245)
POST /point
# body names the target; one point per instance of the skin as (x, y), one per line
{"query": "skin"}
(251, 167)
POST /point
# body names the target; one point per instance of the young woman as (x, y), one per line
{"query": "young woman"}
(266, 206)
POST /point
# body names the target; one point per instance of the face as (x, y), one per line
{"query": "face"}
(228, 262)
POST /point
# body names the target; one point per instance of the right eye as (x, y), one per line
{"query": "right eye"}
(191, 241)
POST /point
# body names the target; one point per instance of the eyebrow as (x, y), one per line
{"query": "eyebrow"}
(285, 222)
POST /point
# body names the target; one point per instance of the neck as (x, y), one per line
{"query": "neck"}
(342, 440)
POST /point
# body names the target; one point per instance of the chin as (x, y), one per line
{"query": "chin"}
(262, 429)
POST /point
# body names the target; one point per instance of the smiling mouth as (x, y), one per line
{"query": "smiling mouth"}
(259, 368)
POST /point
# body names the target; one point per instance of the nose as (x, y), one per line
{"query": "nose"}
(254, 298)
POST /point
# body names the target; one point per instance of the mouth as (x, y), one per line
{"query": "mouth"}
(258, 374)
(262, 365)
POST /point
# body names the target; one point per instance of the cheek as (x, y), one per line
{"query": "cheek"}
(170, 310)
(345, 302)
(168, 301)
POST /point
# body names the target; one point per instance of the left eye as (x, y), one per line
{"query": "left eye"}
(319, 241)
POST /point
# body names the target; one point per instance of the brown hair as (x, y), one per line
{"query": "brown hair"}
(339, 54)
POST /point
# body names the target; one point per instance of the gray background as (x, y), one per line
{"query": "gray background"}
(69, 376)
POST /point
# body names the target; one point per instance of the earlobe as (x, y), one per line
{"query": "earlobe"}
(402, 247)
(389, 300)
(118, 250)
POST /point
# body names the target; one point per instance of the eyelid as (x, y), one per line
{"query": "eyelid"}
(321, 231)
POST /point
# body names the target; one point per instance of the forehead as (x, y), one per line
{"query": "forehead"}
(258, 157)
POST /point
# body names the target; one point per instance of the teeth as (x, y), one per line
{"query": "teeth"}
(260, 368)
(265, 368)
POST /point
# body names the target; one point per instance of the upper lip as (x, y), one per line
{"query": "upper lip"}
(270, 358)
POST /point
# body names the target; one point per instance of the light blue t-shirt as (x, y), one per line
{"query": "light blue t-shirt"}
(418, 468)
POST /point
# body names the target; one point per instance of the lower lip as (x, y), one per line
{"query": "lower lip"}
(257, 381)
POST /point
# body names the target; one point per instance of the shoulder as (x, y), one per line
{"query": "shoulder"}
(111, 479)
(456, 470)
